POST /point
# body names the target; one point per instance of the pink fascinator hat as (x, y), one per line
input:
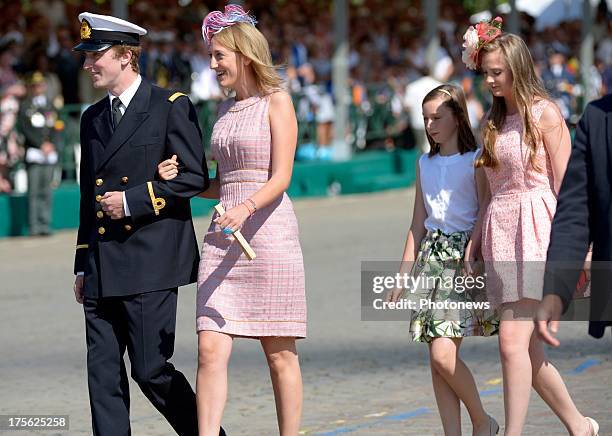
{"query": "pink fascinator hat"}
(216, 21)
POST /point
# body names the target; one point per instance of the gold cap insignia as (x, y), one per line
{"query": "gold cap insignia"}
(85, 30)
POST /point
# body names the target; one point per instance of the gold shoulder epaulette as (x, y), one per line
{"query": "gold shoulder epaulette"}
(175, 96)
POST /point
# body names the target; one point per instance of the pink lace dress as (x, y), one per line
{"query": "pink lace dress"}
(266, 296)
(517, 223)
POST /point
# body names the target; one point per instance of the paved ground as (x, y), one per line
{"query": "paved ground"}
(364, 378)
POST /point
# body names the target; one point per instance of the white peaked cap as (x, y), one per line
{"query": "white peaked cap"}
(100, 32)
(110, 24)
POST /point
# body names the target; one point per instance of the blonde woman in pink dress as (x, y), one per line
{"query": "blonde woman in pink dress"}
(526, 147)
(253, 142)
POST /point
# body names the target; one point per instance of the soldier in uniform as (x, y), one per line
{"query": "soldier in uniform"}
(136, 243)
(558, 80)
(37, 121)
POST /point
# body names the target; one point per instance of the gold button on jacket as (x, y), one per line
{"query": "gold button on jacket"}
(101, 230)
(99, 182)
(100, 214)
(98, 198)
(124, 180)
(127, 227)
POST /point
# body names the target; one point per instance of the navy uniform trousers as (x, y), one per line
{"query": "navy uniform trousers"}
(144, 325)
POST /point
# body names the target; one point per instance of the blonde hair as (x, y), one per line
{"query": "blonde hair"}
(453, 98)
(120, 50)
(526, 88)
(248, 41)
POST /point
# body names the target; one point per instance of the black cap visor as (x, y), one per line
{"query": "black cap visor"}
(100, 40)
(93, 46)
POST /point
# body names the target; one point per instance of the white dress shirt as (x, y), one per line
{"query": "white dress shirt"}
(126, 97)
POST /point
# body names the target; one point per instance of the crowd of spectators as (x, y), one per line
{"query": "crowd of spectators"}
(387, 62)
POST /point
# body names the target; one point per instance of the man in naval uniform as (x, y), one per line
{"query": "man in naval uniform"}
(38, 122)
(136, 243)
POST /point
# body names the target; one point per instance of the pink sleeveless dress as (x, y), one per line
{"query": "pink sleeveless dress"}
(265, 296)
(517, 223)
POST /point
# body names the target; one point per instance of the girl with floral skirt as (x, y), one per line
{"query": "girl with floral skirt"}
(451, 195)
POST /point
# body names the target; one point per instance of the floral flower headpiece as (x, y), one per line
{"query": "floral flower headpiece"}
(216, 21)
(476, 37)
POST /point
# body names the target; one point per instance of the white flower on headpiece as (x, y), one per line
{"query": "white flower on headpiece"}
(470, 47)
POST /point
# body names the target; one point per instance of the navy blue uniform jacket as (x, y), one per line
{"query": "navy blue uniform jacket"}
(584, 214)
(155, 248)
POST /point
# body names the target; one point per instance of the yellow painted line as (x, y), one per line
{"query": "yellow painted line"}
(494, 381)
(375, 415)
(340, 421)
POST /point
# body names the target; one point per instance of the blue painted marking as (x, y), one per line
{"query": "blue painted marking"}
(423, 410)
(490, 392)
(585, 365)
(398, 417)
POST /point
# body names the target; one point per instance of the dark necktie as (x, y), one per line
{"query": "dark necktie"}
(116, 112)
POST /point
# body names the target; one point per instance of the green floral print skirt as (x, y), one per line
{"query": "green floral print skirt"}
(449, 302)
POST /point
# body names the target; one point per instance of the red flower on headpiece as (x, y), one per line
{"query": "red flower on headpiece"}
(476, 37)
(487, 32)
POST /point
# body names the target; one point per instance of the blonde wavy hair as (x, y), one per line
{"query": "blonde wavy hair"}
(249, 42)
(526, 89)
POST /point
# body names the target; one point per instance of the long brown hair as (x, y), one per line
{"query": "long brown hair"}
(526, 88)
(453, 98)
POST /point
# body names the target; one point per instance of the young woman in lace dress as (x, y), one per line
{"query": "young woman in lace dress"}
(526, 147)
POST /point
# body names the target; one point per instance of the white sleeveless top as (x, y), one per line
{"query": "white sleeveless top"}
(449, 191)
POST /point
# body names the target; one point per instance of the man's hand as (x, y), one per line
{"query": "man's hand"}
(78, 289)
(548, 314)
(47, 148)
(112, 205)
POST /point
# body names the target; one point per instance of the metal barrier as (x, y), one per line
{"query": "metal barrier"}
(370, 115)
(71, 116)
